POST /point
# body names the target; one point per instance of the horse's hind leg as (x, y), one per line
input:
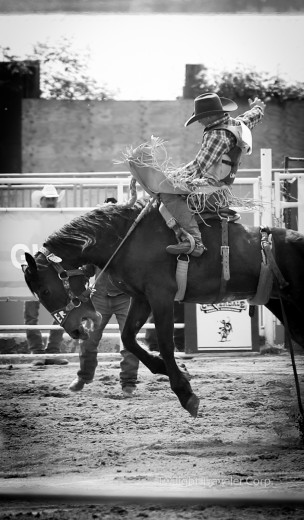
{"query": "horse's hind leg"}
(138, 314)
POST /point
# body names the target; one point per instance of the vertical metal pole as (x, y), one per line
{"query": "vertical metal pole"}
(266, 191)
(266, 197)
(120, 192)
(301, 204)
(277, 198)
(256, 195)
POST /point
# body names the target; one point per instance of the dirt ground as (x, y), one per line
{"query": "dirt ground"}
(244, 442)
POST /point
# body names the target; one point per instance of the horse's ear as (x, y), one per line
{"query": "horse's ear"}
(31, 263)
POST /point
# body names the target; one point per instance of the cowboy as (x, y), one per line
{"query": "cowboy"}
(224, 140)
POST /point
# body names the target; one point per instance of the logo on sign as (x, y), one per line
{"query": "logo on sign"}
(237, 306)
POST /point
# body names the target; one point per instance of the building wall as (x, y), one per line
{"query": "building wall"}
(63, 136)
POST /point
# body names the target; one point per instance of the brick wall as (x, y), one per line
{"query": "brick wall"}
(62, 136)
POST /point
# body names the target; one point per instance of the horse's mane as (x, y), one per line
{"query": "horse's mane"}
(81, 231)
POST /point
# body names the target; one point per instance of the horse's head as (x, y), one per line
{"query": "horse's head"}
(62, 291)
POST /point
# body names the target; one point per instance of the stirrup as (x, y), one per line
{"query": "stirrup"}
(191, 240)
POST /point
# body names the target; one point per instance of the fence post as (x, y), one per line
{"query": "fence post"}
(301, 204)
(266, 198)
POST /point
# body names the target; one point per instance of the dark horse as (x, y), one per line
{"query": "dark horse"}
(143, 269)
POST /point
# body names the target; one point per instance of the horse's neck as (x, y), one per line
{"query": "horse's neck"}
(106, 240)
(99, 254)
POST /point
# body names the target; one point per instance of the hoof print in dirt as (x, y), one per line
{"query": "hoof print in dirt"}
(50, 361)
(56, 361)
(39, 363)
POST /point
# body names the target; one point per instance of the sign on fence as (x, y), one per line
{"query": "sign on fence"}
(25, 230)
(224, 326)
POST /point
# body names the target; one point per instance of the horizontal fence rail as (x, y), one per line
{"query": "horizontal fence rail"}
(85, 189)
(165, 498)
(110, 326)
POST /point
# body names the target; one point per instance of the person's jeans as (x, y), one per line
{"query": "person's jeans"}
(178, 208)
(108, 306)
(34, 337)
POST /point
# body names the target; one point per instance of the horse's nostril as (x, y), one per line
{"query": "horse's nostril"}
(87, 324)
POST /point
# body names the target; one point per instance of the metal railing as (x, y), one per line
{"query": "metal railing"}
(85, 189)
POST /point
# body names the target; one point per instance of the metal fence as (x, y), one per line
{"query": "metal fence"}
(85, 189)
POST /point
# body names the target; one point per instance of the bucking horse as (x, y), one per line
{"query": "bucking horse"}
(141, 267)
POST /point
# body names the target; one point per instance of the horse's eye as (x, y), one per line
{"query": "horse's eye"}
(45, 292)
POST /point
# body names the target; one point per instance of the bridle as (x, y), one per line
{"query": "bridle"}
(60, 315)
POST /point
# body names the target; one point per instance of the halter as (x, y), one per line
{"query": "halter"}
(60, 315)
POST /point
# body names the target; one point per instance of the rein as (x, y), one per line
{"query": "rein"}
(60, 315)
(136, 221)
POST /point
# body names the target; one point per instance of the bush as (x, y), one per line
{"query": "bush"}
(246, 83)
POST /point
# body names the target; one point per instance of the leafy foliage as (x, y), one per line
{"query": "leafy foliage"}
(246, 83)
(64, 72)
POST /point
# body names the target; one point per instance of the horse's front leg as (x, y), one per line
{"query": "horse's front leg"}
(137, 316)
(163, 311)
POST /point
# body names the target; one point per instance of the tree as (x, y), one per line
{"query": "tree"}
(243, 82)
(64, 72)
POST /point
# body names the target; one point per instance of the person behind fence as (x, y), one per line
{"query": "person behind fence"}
(47, 198)
(222, 136)
(109, 301)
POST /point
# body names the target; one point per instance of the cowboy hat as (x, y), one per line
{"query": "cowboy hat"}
(48, 191)
(210, 104)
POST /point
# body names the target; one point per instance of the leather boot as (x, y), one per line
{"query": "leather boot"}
(179, 249)
(128, 390)
(78, 384)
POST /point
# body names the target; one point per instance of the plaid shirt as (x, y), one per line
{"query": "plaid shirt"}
(217, 142)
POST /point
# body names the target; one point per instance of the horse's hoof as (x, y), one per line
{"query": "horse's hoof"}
(192, 405)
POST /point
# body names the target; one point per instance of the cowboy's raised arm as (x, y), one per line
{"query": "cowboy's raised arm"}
(255, 113)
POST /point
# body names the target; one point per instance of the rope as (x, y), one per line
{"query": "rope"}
(203, 192)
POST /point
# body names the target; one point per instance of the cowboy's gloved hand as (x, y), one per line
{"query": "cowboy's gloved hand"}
(257, 102)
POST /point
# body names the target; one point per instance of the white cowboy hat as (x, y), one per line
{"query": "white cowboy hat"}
(48, 191)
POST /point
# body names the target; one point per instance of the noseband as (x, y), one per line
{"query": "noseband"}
(64, 275)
